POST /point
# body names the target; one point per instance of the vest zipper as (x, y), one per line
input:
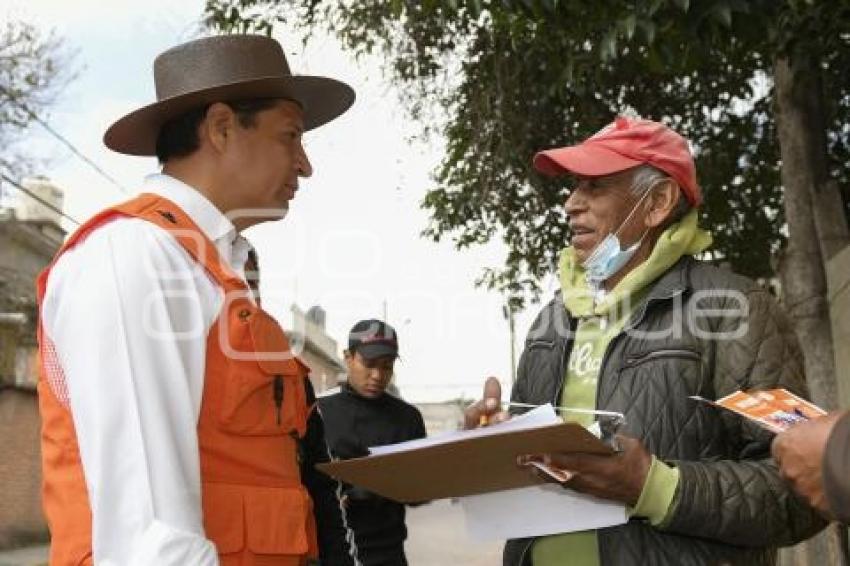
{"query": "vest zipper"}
(277, 391)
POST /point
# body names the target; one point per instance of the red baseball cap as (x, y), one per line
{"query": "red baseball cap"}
(621, 145)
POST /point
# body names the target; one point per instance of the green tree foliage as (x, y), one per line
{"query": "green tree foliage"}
(512, 77)
(34, 66)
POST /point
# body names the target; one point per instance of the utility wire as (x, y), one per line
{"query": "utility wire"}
(62, 139)
(36, 197)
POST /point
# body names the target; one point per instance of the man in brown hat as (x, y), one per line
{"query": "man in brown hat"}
(177, 428)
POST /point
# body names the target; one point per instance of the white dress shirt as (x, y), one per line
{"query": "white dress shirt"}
(128, 312)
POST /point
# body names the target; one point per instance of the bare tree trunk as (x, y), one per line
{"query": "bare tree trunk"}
(816, 223)
(817, 230)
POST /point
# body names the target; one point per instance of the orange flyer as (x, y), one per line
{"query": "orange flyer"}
(775, 409)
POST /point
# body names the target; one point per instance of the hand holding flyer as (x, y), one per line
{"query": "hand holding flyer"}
(776, 409)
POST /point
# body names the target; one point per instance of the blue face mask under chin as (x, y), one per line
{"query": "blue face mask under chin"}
(608, 257)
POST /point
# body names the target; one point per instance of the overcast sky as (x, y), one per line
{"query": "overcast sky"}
(351, 240)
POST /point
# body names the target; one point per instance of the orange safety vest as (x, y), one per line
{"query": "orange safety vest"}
(254, 409)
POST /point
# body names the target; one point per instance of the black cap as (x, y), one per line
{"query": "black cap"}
(373, 339)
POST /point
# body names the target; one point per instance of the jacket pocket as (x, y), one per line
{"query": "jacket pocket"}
(539, 344)
(679, 370)
(683, 354)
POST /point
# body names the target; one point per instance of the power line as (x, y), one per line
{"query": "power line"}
(62, 139)
(36, 197)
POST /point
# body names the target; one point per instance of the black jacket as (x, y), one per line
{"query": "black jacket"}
(836, 464)
(353, 424)
(335, 538)
(731, 506)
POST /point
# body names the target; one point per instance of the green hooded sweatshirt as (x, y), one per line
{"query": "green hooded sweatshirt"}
(599, 319)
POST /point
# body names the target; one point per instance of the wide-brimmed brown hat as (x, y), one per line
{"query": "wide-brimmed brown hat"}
(220, 69)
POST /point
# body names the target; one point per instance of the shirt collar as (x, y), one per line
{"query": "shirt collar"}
(349, 390)
(215, 225)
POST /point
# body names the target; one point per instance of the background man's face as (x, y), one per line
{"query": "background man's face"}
(369, 378)
(268, 158)
(597, 206)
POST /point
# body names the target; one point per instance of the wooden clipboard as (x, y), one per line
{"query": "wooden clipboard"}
(464, 466)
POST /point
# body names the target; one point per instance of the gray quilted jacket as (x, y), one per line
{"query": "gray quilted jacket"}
(730, 507)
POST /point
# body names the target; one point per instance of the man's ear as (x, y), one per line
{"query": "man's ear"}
(662, 202)
(347, 355)
(218, 126)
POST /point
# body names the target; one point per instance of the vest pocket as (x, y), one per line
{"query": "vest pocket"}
(271, 521)
(276, 520)
(258, 404)
(263, 390)
(224, 518)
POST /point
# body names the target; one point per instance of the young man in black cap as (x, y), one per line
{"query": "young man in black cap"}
(362, 415)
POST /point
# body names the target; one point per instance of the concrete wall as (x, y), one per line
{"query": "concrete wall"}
(21, 518)
(838, 279)
(323, 375)
(27, 248)
(440, 417)
(316, 348)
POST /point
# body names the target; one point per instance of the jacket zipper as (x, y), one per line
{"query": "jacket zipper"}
(562, 375)
(562, 367)
(525, 551)
(628, 326)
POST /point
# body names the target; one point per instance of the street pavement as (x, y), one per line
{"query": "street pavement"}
(27, 556)
(437, 537)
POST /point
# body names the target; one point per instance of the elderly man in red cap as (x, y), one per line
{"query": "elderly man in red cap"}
(178, 426)
(640, 327)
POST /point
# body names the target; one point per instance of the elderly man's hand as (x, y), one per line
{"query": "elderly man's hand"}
(488, 410)
(618, 477)
(799, 453)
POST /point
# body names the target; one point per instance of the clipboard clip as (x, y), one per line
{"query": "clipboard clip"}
(609, 425)
(605, 427)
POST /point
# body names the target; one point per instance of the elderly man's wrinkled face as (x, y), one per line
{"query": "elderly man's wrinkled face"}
(597, 206)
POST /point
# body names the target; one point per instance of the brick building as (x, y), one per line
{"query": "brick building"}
(29, 237)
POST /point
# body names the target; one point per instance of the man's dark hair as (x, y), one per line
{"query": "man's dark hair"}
(179, 136)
